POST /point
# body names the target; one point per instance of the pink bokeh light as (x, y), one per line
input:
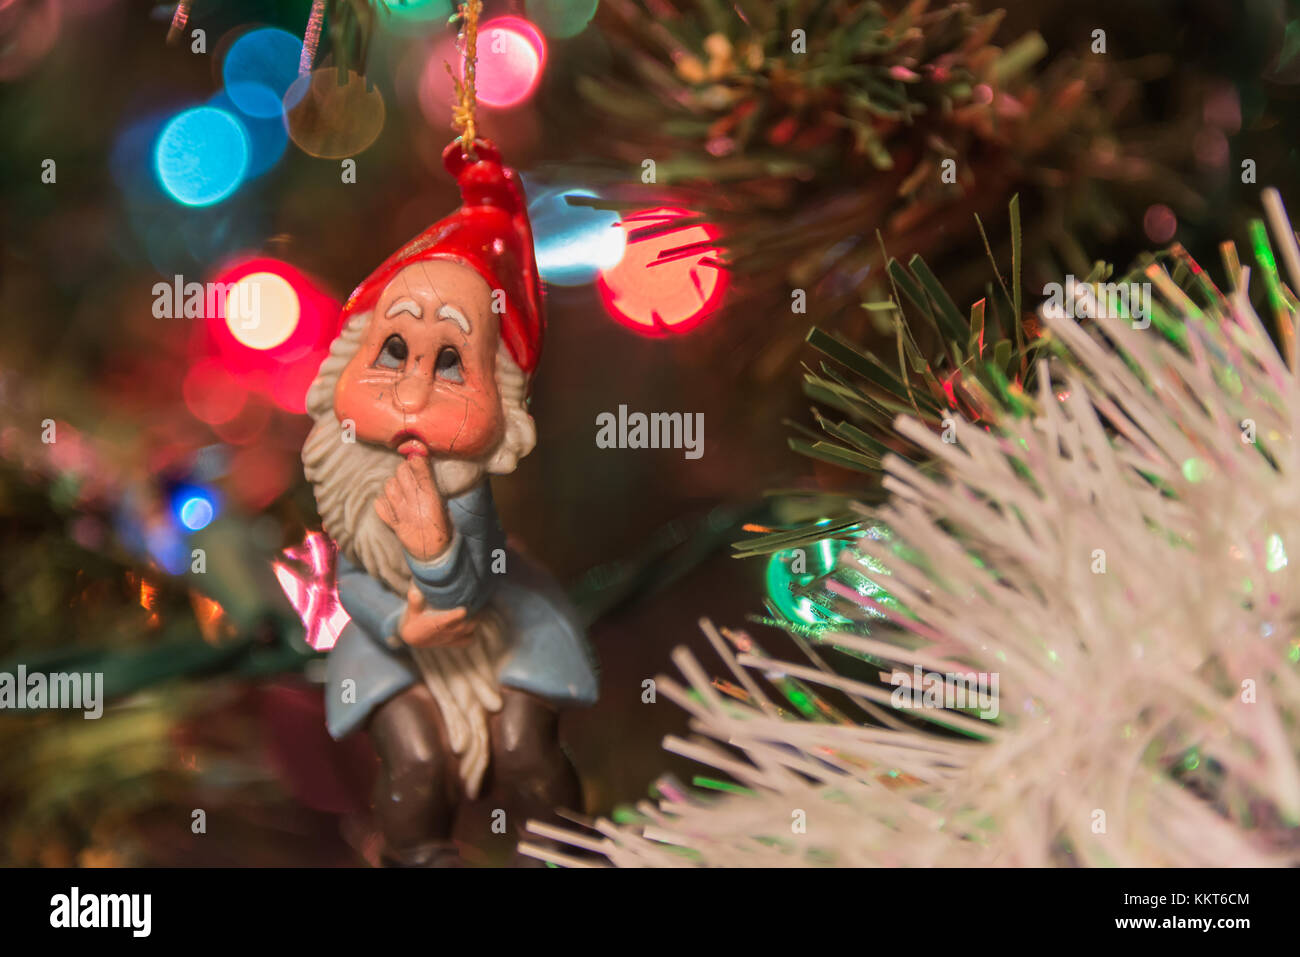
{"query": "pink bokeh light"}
(511, 57)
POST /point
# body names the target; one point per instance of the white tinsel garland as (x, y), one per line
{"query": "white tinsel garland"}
(1119, 558)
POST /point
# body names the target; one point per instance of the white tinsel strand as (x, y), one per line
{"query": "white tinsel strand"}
(1120, 559)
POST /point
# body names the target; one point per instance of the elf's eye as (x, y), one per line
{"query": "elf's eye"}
(393, 354)
(448, 365)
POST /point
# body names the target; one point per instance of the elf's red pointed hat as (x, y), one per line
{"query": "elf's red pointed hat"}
(491, 234)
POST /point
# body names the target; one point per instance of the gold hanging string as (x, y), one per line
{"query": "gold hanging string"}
(462, 115)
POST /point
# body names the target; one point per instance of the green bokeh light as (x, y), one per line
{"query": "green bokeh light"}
(560, 19)
(415, 16)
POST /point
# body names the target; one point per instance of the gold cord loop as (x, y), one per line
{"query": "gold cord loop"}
(462, 116)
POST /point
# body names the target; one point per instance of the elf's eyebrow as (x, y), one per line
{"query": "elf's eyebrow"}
(448, 311)
(405, 305)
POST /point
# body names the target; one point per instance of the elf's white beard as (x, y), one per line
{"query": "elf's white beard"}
(348, 476)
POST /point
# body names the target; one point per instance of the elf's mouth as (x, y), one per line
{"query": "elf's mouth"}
(409, 444)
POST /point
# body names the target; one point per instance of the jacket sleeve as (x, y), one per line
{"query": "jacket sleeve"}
(376, 609)
(462, 575)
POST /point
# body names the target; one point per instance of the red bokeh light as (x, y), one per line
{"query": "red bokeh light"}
(210, 395)
(290, 383)
(669, 296)
(1160, 223)
(259, 474)
(278, 359)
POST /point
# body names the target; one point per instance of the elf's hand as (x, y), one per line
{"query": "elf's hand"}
(411, 506)
(423, 627)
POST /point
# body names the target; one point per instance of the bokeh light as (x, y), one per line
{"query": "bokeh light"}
(196, 513)
(250, 425)
(259, 474)
(330, 120)
(415, 16)
(27, 34)
(194, 507)
(259, 69)
(424, 70)
(132, 161)
(511, 57)
(526, 30)
(201, 156)
(173, 237)
(275, 355)
(1159, 223)
(268, 137)
(210, 393)
(287, 314)
(574, 243)
(668, 296)
(262, 310)
(290, 382)
(561, 18)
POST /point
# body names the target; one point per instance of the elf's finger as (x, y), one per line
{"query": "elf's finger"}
(430, 623)
(424, 634)
(415, 600)
(422, 472)
(410, 487)
(405, 479)
(386, 513)
(393, 489)
(450, 616)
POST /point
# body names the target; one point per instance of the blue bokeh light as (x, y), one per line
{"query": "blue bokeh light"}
(574, 243)
(268, 137)
(259, 69)
(202, 156)
(196, 513)
(194, 508)
(131, 159)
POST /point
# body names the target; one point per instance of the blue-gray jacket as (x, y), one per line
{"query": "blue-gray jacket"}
(547, 651)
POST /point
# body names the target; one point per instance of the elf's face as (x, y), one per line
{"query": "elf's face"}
(424, 380)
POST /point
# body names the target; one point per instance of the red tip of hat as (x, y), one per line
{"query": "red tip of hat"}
(491, 234)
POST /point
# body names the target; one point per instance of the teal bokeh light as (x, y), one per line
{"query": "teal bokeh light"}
(560, 19)
(268, 137)
(201, 156)
(415, 16)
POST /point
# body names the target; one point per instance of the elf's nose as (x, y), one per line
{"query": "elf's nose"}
(412, 393)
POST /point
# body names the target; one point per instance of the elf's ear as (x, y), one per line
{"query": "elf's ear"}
(519, 439)
(520, 435)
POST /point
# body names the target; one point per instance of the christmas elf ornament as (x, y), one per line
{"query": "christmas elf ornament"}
(459, 652)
